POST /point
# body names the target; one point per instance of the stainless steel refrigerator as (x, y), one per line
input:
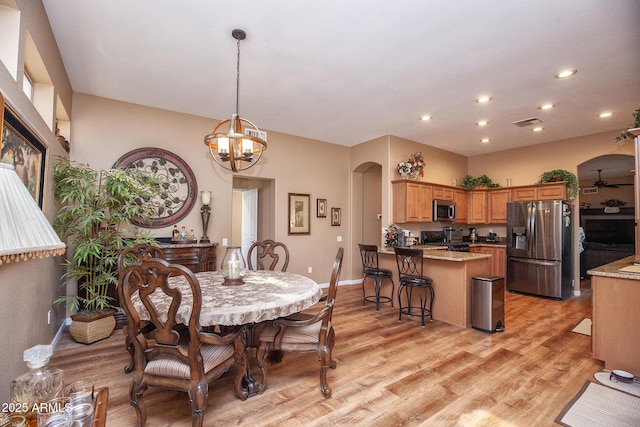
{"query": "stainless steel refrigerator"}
(539, 248)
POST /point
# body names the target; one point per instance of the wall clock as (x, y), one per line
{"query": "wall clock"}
(179, 190)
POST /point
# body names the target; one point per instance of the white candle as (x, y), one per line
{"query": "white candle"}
(234, 269)
(205, 197)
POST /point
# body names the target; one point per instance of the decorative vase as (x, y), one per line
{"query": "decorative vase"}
(415, 175)
(404, 175)
(611, 209)
(89, 329)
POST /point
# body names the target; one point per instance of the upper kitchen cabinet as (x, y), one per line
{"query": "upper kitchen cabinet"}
(548, 191)
(412, 201)
(497, 205)
(442, 193)
(477, 200)
(462, 206)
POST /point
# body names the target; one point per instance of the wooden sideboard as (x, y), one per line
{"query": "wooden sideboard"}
(195, 256)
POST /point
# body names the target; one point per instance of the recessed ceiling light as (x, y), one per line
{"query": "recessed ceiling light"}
(485, 140)
(483, 99)
(546, 106)
(566, 73)
(482, 123)
(425, 118)
(605, 114)
(538, 129)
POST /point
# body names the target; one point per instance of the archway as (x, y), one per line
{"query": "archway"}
(366, 209)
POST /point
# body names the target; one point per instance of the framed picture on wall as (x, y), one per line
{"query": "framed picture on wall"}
(20, 148)
(299, 213)
(335, 216)
(321, 208)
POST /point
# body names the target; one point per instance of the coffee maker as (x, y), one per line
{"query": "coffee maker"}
(473, 234)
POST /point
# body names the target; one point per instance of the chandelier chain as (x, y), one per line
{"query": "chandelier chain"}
(238, 79)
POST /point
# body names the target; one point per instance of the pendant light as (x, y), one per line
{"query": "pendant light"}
(236, 144)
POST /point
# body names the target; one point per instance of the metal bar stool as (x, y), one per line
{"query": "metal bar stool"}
(369, 255)
(410, 271)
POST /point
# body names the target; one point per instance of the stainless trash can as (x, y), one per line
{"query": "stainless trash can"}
(487, 303)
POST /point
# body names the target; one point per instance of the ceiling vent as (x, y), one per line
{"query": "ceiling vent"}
(528, 122)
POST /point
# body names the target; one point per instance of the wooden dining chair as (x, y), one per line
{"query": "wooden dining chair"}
(128, 256)
(305, 333)
(172, 356)
(268, 254)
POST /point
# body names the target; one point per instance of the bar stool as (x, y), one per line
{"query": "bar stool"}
(369, 255)
(410, 271)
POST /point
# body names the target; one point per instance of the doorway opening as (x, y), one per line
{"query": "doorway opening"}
(252, 211)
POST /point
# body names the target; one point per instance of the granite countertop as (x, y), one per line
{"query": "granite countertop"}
(440, 253)
(614, 269)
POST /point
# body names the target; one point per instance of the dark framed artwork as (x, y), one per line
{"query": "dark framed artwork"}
(321, 208)
(335, 216)
(180, 187)
(20, 148)
(299, 213)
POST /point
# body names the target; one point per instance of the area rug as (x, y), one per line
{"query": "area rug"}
(584, 327)
(597, 405)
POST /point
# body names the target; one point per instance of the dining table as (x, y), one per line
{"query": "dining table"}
(264, 295)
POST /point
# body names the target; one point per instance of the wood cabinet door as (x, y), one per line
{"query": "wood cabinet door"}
(498, 200)
(442, 193)
(523, 194)
(552, 191)
(477, 207)
(426, 208)
(462, 205)
(499, 262)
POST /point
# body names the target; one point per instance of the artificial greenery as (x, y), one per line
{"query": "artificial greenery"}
(98, 207)
(626, 134)
(613, 203)
(469, 182)
(562, 175)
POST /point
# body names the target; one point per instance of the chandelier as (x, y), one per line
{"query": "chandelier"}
(236, 144)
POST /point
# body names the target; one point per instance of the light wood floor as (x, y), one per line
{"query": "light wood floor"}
(389, 373)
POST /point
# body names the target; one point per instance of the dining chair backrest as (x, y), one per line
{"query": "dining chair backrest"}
(369, 256)
(268, 253)
(138, 252)
(410, 262)
(333, 283)
(151, 276)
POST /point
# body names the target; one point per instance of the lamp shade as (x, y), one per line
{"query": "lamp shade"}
(24, 230)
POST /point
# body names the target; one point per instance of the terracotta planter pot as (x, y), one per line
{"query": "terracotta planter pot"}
(89, 329)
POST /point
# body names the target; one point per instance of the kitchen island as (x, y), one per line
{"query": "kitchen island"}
(451, 273)
(615, 298)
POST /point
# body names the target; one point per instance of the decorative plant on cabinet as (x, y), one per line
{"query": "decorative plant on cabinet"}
(95, 219)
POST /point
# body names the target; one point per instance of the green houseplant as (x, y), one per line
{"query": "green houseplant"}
(470, 182)
(98, 207)
(557, 175)
(636, 124)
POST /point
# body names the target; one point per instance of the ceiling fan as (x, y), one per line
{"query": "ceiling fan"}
(600, 183)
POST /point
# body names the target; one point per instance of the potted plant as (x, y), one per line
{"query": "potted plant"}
(469, 182)
(557, 175)
(612, 205)
(412, 167)
(636, 124)
(95, 219)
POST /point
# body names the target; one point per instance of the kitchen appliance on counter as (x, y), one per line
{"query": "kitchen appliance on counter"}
(539, 257)
(473, 235)
(492, 237)
(444, 210)
(452, 234)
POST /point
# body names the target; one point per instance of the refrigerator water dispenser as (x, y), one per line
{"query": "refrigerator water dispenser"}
(519, 237)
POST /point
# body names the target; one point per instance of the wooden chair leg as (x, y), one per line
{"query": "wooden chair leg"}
(198, 400)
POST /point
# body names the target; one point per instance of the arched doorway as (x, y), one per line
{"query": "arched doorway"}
(366, 209)
(610, 234)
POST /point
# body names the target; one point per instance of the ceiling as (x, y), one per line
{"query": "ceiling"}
(347, 71)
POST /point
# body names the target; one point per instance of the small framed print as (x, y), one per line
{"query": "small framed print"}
(335, 216)
(299, 213)
(590, 190)
(321, 208)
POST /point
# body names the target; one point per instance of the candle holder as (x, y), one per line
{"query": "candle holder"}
(205, 213)
(233, 267)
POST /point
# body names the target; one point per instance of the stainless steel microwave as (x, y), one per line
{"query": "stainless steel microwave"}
(444, 210)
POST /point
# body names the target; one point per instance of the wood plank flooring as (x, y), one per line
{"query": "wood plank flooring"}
(389, 373)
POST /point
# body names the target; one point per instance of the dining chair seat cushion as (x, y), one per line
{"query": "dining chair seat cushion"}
(171, 366)
(378, 272)
(416, 281)
(293, 335)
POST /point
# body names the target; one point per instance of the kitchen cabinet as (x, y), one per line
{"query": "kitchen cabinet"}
(442, 193)
(498, 258)
(548, 191)
(477, 212)
(636, 133)
(460, 197)
(412, 201)
(497, 203)
(196, 257)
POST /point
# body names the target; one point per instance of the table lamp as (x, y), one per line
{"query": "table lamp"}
(205, 212)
